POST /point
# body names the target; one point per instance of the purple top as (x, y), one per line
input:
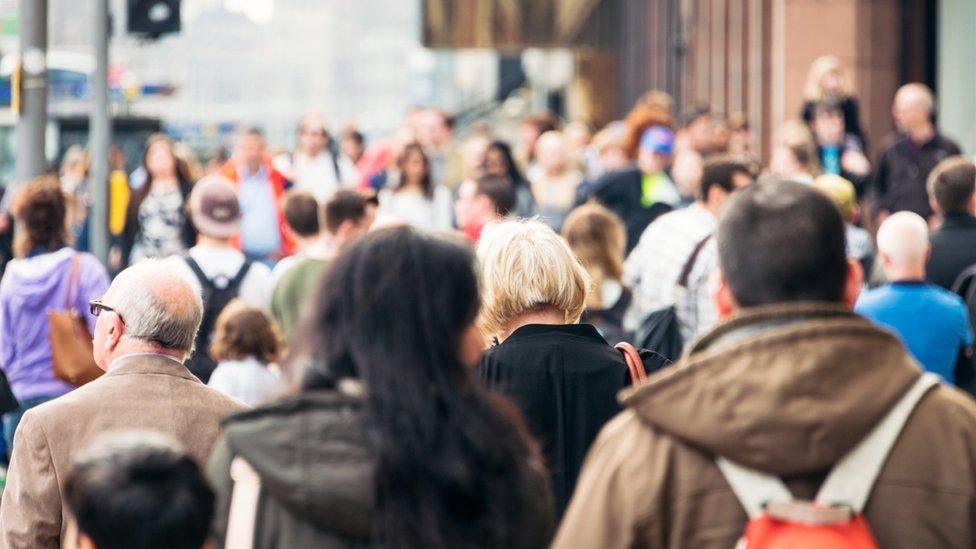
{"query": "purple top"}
(29, 288)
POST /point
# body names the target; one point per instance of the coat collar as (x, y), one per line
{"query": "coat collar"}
(959, 220)
(148, 363)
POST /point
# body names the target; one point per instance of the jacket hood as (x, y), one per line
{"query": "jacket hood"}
(311, 454)
(38, 280)
(786, 389)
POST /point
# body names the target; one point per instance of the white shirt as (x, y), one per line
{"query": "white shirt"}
(247, 380)
(225, 261)
(318, 175)
(433, 213)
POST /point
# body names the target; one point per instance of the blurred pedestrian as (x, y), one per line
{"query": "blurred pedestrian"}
(696, 134)
(156, 224)
(74, 182)
(314, 166)
(416, 198)
(352, 144)
(899, 176)
(138, 490)
(794, 154)
(499, 161)
(687, 174)
(345, 217)
(387, 434)
(553, 178)
(598, 238)
(260, 188)
(840, 153)
(301, 212)
(952, 190)
(933, 322)
(47, 275)
(436, 134)
(530, 130)
(145, 328)
(562, 374)
(787, 386)
(827, 81)
(247, 346)
(216, 269)
(490, 198)
(859, 241)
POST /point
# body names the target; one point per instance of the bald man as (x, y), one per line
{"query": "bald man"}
(146, 324)
(898, 182)
(933, 322)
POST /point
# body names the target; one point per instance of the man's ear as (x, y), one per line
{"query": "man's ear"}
(114, 333)
(725, 302)
(854, 282)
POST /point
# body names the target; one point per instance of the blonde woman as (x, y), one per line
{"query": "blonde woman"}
(828, 81)
(561, 374)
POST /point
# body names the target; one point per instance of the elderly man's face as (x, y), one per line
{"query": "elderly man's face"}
(109, 328)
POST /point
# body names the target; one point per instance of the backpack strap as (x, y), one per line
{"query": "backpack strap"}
(198, 272)
(850, 481)
(239, 277)
(690, 263)
(245, 494)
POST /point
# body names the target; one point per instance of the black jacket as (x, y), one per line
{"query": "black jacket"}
(953, 249)
(899, 176)
(620, 191)
(565, 379)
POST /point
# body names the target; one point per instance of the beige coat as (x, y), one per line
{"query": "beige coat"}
(788, 391)
(145, 392)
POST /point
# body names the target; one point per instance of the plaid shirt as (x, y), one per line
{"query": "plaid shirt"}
(652, 270)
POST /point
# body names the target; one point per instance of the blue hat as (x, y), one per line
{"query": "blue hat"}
(657, 139)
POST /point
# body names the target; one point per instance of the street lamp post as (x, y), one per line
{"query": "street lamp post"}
(100, 135)
(30, 161)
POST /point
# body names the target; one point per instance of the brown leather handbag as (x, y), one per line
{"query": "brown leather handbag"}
(634, 363)
(71, 343)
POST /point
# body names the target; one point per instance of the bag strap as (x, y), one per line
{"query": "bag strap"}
(635, 365)
(690, 263)
(235, 282)
(198, 272)
(850, 481)
(73, 280)
(244, 498)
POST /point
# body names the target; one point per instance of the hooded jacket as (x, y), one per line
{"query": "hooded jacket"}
(787, 390)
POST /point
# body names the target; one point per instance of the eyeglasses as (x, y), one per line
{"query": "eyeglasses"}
(96, 307)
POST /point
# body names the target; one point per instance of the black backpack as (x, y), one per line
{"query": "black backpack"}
(216, 294)
(965, 370)
(660, 331)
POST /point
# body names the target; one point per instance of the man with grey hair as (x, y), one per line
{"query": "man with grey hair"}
(933, 322)
(899, 178)
(146, 325)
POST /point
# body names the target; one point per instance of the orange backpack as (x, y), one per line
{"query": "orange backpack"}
(834, 519)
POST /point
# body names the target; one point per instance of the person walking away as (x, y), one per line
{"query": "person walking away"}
(904, 165)
(932, 321)
(313, 166)
(786, 385)
(598, 238)
(48, 274)
(260, 188)
(416, 455)
(138, 490)
(346, 216)
(301, 212)
(247, 346)
(952, 192)
(144, 332)
(216, 269)
(562, 375)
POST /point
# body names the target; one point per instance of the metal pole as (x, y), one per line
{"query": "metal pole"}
(100, 136)
(30, 161)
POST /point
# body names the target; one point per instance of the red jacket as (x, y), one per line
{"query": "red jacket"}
(279, 186)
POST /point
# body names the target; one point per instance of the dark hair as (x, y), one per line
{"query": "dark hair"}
(426, 184)
(511, 167)
(391, 311)
(184, 182)
(301, 212)
(345, 205)
(143, 496)
(782, 241)
(500, 192)
(827, 106)
(720, 172)
(354, 135)
(41, 207)
(254, 131)
(243, 330)
(696, 111)
(952, 184)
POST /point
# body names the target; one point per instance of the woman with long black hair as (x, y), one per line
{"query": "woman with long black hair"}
(389, 441)
(413, 196)
(499, 161)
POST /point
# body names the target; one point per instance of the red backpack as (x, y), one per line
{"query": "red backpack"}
(834, 519)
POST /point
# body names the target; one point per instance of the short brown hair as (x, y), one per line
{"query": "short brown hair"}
(301, 212)
(41, 208)
(345, 205)
(952, 184)
(499, 190)
(244, 330)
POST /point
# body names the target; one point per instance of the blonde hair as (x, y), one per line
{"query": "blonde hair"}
(796, 136)
(598, 238)
(525, 265)
(823, 65)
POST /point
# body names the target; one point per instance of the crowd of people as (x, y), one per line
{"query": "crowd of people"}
(413, 341)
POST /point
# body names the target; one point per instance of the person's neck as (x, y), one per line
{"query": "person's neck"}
(922, 133)
(548, 315)
(906, 274)
(314, 245)
(213, 242)
(128, 347)
(310, 153)
(710, 208)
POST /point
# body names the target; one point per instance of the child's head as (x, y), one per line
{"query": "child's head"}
(245, 331)
(139, 491)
